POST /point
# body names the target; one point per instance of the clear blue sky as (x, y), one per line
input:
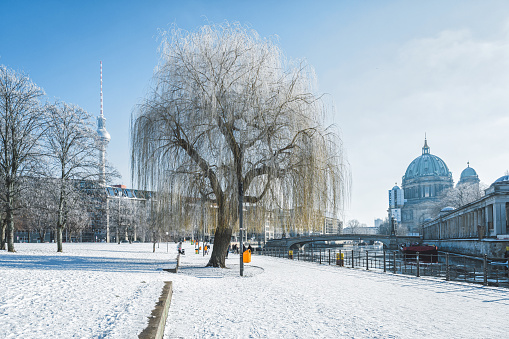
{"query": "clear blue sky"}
(394, 69)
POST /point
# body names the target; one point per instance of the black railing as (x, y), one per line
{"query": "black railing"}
(447, 266)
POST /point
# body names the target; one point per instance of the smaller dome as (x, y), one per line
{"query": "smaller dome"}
(447, 209)
(468, 172)
(468, 176)
(428, 219)
(395, 188)
(502, 179)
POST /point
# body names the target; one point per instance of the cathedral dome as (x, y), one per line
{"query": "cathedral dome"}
(426, 165)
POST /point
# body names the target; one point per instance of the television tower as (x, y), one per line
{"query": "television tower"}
(104, 139)
(104, 136)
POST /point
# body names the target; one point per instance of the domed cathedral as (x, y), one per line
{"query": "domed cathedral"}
(424, 181)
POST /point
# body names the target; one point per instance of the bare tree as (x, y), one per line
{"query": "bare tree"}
(39, 205)
(354, 225)
(229, 114)
(71, 147)
(21, 127)
(458, 196)
(77, 219)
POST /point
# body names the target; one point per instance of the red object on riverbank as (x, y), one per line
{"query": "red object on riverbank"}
(427, 253)
(422, 249)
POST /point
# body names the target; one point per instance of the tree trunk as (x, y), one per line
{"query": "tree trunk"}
(2, 235)
(59, 239)
(222, 238)
(9, 216)
(60, 220)
(42, 235)
(10, 231)
(154, 242)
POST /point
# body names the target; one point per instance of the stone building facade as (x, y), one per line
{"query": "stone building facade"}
(425, 180)
(480, 227)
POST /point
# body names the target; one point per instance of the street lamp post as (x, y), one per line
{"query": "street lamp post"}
(203, 200)
(241, 200)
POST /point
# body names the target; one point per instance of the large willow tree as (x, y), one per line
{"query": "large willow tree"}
(226, 111)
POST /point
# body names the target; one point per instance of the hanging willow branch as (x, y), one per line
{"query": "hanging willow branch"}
(227, 107)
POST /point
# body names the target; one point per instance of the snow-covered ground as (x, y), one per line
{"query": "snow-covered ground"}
(108, 290)
(89, 291)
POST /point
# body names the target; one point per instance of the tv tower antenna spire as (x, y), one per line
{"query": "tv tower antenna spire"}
(101, 88)
(104, 136)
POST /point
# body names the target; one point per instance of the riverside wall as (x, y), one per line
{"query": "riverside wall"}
(493, 248)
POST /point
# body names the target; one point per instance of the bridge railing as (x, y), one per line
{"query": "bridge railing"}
(446, 266)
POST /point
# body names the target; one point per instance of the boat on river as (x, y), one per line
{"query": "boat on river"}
(427, 253)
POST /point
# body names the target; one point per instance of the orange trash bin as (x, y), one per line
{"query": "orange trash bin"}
(246, 257)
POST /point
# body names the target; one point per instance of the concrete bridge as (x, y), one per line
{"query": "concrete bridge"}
(389, 241)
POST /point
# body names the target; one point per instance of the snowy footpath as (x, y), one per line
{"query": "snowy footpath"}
(280, 298)
(108, 290)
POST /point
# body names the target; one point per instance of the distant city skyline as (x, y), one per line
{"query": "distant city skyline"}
(394, 70)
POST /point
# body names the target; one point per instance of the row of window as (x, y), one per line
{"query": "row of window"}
(424, 191)
(127, 193)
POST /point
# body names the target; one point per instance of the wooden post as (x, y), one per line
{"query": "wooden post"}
(367, 261)
(353, 259)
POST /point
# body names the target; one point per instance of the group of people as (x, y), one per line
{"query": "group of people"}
(235, 249)
(206, 248)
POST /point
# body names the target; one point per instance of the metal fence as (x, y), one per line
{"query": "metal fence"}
(447, 266)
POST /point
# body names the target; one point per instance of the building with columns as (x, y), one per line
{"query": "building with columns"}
(487, 217)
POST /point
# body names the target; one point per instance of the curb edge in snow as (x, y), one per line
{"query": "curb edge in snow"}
(157, 320)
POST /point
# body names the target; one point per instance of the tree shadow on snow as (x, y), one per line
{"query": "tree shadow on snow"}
(62, 262)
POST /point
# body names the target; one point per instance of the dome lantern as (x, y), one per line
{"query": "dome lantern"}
(425, 148)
